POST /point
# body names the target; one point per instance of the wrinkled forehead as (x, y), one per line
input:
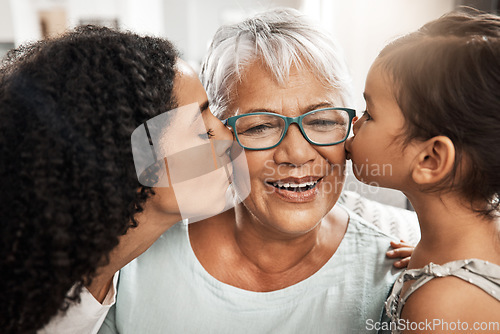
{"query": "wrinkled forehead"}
(261, 87)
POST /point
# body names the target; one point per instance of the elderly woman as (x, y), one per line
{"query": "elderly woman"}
(287, 259)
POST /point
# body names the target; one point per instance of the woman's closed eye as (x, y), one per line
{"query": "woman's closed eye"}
(257, 129)
(366, 116)
(208, 135)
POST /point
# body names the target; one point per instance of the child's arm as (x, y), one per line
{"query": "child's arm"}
(451, 305)
(401, 250)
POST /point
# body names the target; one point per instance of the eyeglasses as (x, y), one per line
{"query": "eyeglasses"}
(263, 130)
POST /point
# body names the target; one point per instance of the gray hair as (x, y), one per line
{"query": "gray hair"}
(279, 38)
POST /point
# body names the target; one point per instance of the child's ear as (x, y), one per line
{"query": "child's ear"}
(435, 161)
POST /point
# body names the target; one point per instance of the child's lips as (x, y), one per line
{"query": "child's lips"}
(347, 149)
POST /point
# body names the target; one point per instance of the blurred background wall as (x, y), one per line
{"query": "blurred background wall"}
(362, 27)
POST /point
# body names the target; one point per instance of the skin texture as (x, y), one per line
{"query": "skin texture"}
(269, 242)
(450, 229)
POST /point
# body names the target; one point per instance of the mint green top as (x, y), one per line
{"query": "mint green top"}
(166, 290)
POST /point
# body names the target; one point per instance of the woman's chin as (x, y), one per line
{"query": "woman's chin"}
(291, 221)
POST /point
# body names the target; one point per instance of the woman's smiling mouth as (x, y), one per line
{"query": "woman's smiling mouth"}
(296, 190)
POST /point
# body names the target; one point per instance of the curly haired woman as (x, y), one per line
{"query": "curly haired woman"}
(69, 190)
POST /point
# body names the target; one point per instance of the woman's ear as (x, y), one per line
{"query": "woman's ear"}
(435, 161)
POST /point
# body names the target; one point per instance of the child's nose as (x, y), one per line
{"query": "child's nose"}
(356, 122)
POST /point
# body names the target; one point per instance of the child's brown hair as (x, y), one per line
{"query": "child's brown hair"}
(446, 81)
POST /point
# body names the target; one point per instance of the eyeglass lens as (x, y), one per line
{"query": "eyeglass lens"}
(321, 127)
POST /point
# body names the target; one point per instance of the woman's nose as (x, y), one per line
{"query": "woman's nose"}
(221, 132)
(294, 148)
(222, 136)
(222, 141)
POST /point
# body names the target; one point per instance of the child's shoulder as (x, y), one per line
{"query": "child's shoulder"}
(456, 301)
(453, 301)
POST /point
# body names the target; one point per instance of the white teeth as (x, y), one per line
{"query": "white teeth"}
(294, 185)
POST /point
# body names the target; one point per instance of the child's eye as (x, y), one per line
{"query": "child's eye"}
(366, 115)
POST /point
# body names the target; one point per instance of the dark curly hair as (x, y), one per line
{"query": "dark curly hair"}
(447, 82)
(68, 107)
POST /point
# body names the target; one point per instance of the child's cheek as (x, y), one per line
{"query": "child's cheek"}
(360, 166)
(366, 166)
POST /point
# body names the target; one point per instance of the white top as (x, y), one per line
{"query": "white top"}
(85, 317)
(166, 290)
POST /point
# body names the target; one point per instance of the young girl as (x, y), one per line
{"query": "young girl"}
(432, 115)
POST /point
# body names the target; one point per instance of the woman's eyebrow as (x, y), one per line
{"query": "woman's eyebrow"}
(259, 110)
(307, 109)
(204, 106)
(319, 106)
